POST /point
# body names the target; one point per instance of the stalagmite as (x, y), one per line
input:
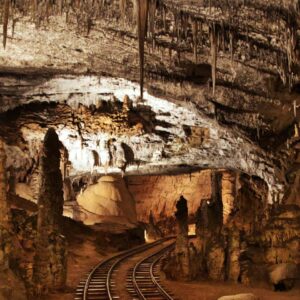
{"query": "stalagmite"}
(5, 20)
(182, 249)
(231, 45)
(50, 259)
(296, 134)
(152, 10)
(122, 4)
(228, 194)
(142, 19)
(195, 38)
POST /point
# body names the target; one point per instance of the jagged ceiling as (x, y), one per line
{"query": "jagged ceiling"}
(228, 68)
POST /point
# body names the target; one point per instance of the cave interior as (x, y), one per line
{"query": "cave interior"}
(167, 124)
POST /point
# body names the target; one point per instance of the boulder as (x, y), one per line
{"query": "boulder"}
(282, 276)
(239, 297)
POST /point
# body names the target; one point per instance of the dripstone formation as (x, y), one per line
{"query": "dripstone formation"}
(50, 258)
(11, 287)
(239, 240)
(177, 265)
(157, 88)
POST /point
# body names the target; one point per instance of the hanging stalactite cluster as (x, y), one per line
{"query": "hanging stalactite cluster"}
(216, 25)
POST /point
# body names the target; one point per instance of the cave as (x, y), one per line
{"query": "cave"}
(150, 149)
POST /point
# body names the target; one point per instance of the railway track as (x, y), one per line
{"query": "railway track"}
(143, 280)
(99, 283)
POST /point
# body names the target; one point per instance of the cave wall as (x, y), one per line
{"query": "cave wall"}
(159, 193)
(240, 237)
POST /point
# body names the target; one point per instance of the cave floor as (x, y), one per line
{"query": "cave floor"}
(207, 290)
(85, 255)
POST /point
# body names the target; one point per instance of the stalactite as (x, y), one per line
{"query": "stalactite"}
(164, 18)
(177, 27)
(213, 51)
(184, 25)
(200, 34)
(142, 17)
(231, 45)
(60, 7)
(151, 17)
(122, 4)
(5, 20)
(34, 7)
(195, 38)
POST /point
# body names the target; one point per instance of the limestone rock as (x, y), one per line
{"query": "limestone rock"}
(159, 194)
(182, 248)
(228, 194)
(215, 262)
(5, 234)
(239, 297)
(24, 191)
(284, 274)
(108, 198)
(11, 288)
(50, 258)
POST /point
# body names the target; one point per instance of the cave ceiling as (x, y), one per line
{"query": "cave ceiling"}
(221, 85)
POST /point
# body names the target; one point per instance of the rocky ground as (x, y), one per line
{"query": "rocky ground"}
(208, 290)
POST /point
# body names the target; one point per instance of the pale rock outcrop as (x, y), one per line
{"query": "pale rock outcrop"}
(283, 274)
(24, 191)
(248, 296)
(108, 199)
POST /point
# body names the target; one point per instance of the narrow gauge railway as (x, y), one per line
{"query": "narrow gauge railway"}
(99, 284)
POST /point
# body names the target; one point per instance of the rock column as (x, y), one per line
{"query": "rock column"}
(228, 194)
(50, 258)
(208, 231)
(182, 243)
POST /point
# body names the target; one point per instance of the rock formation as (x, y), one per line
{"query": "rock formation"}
(247, 296)
(108, 199)
(4, 214)
(209, 244)
(159, 193)
(177, 265)
(11, 287)
(152, 231)
(228, 194)
(240, 238)
(50, 258)
(182, 243)
(158, 88)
